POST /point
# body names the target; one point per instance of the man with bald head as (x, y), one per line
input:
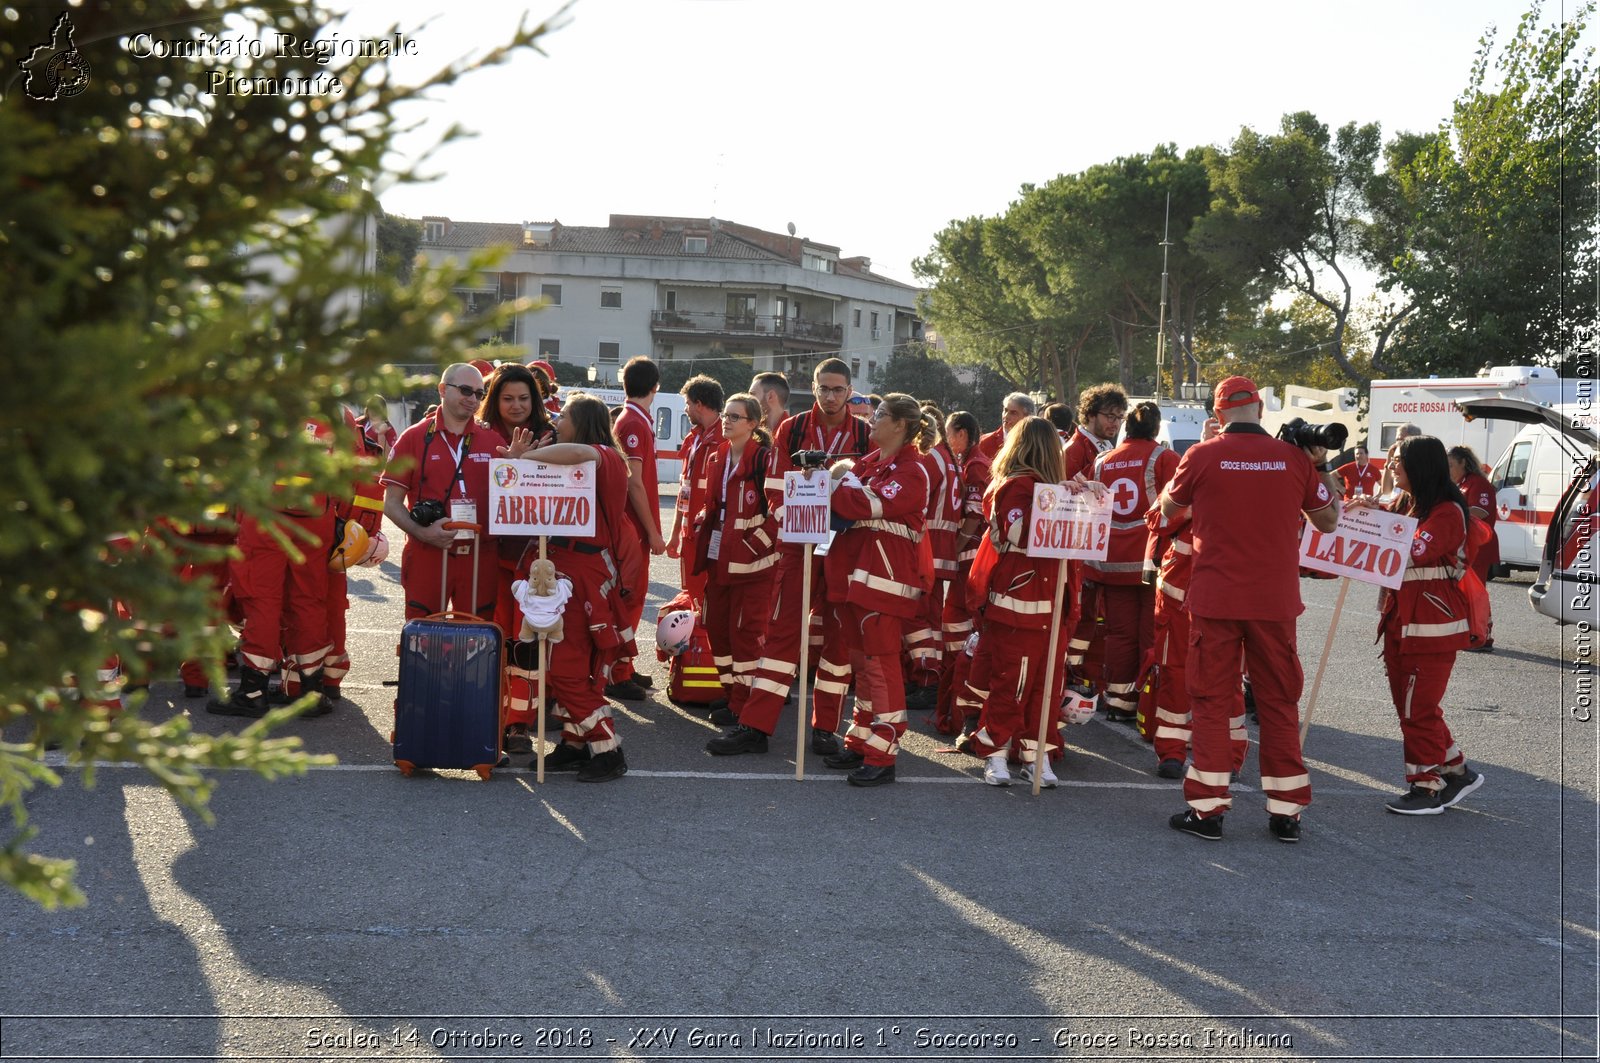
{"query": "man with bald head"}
(444, 459)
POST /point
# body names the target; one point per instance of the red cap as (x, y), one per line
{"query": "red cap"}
(1236, 391)
(548, 369)
(482, 366)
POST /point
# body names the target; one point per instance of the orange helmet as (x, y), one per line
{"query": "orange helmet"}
(349, 547)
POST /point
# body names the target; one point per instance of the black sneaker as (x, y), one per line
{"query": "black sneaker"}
(1190, 823)
(1117, 716)
(1170, 769)
(724, 717)
(1417, 802)
(646, 681)
(563, 758)
(190, 691)
(871, 775)
(1459, 785)
(627, 690)
(922, 699)
(603, 767)
(1487, 647)
(741, 739)
(240, 704)
(1284, 828)
(823, 742)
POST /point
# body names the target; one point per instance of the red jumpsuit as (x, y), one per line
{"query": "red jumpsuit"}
(924, 645)
(955, 705)
(590, 641)
(698, 448)
(1172, 725)
(365, 507)
(430, 458)
(878, 570)
(1085, 648)
(284, 600)
(1134, 472)
(1248, 491)
(780, 660)
(636, 432)
(1480, 494)
(739, 580)
(1423, 625)
(1009, 670)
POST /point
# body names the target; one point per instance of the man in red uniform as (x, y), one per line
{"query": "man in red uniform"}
(826, 427)
(636, 431)
(1360, 477)
(444, 459)
(1101, 410)
(1017, 406)
(703, 402)
(1246, 492)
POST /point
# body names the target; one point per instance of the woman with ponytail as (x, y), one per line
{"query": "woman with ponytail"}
(1423, 624)
(1134, 472)
(1017, 592)
(737, 543)
(876, 573)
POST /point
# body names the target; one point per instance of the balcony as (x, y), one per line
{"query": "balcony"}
(783, 332)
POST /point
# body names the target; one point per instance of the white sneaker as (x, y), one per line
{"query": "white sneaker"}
(1047, 778)
(995, 772)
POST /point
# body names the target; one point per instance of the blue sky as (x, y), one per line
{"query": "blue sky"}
(870, 124)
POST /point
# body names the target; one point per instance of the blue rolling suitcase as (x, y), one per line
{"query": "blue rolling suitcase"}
(448, 711)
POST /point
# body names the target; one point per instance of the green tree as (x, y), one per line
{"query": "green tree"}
(141, 219)
(733, 374)
(916, 370)
(397, 246)
(1488, 226)
(1289, 208)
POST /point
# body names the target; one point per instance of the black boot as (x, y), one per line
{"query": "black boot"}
(603, 767)
(311, 683)
(249, 699)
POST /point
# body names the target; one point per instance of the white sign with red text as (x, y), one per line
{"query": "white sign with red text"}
(805, 506)
(1069, 525)
(1368, 544)
(528, 497)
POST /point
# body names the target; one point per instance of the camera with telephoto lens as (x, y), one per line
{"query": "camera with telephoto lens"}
(1304, 435)
(428, 511)
(809, 459)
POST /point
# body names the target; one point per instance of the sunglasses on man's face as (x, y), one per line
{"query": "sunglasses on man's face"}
(470, 392)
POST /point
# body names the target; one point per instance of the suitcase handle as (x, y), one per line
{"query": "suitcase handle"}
(453, 614)
(444, 563)
(462, 525)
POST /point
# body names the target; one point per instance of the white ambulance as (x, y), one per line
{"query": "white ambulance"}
(1547, 493)
(672, 425)
(1430, 404)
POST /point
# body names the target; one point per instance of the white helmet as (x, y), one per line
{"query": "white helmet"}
(1077, 708)
(673, 631)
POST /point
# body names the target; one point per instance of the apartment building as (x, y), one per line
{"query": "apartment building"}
(682, 288)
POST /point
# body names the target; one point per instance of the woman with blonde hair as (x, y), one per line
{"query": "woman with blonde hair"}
(876, 573)
(1016, 593)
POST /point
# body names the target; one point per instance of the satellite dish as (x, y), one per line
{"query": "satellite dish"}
(791, 228)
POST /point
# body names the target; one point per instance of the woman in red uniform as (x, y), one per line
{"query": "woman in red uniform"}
(1134, 473)
(738, 539)
(1467, 472)
(513, 402)
(878, 569)
(1423, 624)
(1020, 591)
(956, 621)
(581, 661)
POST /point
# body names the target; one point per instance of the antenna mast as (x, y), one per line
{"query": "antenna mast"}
(1161, 325)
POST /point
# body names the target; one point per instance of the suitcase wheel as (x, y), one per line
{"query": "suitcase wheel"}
(483, 771)
(391, 738)
(405, 766)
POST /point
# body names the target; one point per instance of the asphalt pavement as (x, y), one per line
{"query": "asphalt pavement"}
(715, 908)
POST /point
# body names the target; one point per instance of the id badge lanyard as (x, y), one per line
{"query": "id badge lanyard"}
(714, 549)
(462, 509)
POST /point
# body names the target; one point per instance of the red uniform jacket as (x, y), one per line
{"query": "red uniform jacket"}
(1079, 454)
(748, 548)
(805, 431)
(1429, 607)
(1020, 589)
(1135, 472)
(882, 562)
(1360, 479)
(1480, 494)
(944, 510)
(975, 476)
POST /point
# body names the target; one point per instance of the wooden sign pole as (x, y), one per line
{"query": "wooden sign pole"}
(802, 713)
(1041, 753)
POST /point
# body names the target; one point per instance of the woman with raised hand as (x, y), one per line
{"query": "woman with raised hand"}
(876, 572)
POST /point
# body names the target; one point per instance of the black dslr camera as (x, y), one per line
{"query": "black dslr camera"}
(1303, 435)
(809, 459)
(428, 511)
